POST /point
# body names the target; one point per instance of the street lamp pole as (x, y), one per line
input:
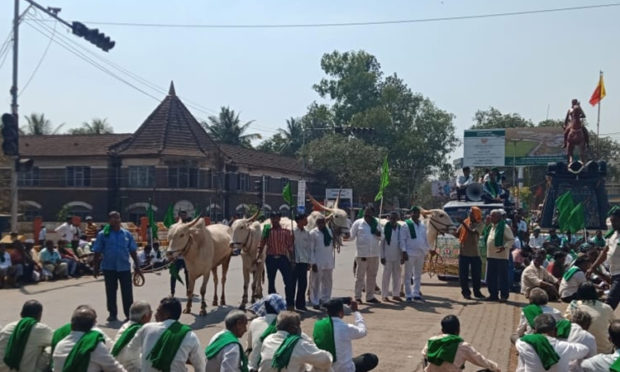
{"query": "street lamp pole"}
(14, 112)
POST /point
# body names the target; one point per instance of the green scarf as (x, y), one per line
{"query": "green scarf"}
(562, 328)
(167, 346)
(17, 342)
(493, 187)
(543, 349)
(327, 239)
(223, 340)
(531, 312)
(79, 357)
(373, 225)
(499, 233)
(59, 334)
(125, 338)
(271, 329)
(442, 349)
(609, 233)
(282, 356)
(323, 335)
(615, 367)
(570, 272)
(412, 232)
(106, 230)
(599, 242)
(266, 231)
(387, 232)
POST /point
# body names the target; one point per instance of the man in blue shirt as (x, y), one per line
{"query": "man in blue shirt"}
(116, 244)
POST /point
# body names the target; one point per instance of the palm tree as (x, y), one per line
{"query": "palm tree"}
(96, 126)
(293, 135)
(227, 128)
(39, 125)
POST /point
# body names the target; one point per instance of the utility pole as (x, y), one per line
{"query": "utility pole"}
(14, 112)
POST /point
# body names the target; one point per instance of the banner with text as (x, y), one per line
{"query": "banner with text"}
(484, 148)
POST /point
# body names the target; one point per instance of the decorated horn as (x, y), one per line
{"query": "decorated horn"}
(337, 200)
(317, 204)
(255, 216)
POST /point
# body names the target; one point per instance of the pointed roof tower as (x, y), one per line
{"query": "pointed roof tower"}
(169, 130)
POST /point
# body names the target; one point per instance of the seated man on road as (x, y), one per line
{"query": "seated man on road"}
(604, 362)
(535, 276)
(538, 305)
(573, 277)
(23, 343)
(448, 351)
(139, 314)
(541, 351)
(536, 239)
(580, 323)
(225, 352)
(83, 349)
(334, 335)
(267, 310)
(167, 344)
(290, 350)
(52, 262)
(9, 273)
(65, 330)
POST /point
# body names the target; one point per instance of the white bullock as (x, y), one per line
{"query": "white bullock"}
(203, 248)
(246, 236)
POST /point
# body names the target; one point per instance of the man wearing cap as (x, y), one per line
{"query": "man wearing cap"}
(367, 234)
(279, 242)
(611, 254)
(413, 239)
(491, 189)
(462, 182)
(267, 310)
(536, 240)
(469, 255)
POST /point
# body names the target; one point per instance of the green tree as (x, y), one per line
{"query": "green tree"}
(227, 128)
(96, 126)
(493, 118)
(39, 125)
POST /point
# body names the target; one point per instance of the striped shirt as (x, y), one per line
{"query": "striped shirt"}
(279, 242)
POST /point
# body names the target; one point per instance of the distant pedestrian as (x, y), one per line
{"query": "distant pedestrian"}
(393, 255)
(66, 230)
(367, 234)
(42, 235)
(116, 244)
(323, 261)
(413, 238)
(303, 260)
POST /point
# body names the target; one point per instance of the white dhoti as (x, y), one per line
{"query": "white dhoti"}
(366, 276)
(391, 270)
(321, 286)
(413, 268)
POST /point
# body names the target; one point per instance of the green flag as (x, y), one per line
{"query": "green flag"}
(197, 212)
(576, 219)
(564, 205)
(152, 224)
(169, 217)
(385, 179)
(287, 194)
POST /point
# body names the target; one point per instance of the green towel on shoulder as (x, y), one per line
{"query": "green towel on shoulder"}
(531, 312)
(282, 356)
(570, 272)
(17, 342)
(271, 329)
(167, 345)
(323, 335)
(615, 366)
(411, 227)
(374, 225)
(223, 340)
(125, 338)
(443, 349)
(266, 231)
(79, 357)
(327, 238)
(562, 327)
(59, 334)
(543, 348)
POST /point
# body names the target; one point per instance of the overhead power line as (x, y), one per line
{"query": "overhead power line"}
(358, 24)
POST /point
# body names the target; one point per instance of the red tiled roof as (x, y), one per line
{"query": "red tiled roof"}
(259, 159)
(69, 145)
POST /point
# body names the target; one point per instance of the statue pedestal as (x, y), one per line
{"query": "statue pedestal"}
(586, 183)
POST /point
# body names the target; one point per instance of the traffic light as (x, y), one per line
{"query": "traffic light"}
(10, 135)
(102, 41)
(258, 187)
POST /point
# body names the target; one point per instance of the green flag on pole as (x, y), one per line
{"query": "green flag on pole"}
(564, 204)
(169, 217)
(152, 224)
(197, 212)
(576, 219)
(287, 194)
(385, 179)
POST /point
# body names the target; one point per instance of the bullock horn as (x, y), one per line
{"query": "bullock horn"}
(337, 200)
(195, 221)
(425, 212)
(317, 204)
(255, 216)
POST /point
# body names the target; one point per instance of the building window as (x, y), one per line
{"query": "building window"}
(29, 177)
(141, 176)
(78, 176)
(183, 177)
(243, 182)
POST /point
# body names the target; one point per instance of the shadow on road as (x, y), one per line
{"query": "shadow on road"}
(25, 289)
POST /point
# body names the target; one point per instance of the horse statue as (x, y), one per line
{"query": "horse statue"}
(575, 133)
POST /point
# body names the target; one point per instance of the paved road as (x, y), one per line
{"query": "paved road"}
(396, 332)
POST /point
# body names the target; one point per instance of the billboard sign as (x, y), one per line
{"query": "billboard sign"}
(332, 194)
(534, 146)
(484, 148)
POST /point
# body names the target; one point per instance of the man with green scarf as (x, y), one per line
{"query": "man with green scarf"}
(491, 189)
(225, 352)
(167, 345)
(23, 343)
(499, 240)
(611, 254)
(542, 351)
(366, 232)
(448, 351)
(413, 236)
(573, 277)
(538, 305)
(267, 310)
(139, 314)
(323, 261)
(290, 350)
(393, 256)
(84, 349)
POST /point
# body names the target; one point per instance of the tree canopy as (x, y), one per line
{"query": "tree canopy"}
(39, 125)
(227, 128)
(95, 126)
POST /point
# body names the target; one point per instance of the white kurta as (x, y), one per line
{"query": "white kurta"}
(530, 362)
(228, 359)
(129, 360)
(416, 250)
(392, 253)
(344, 333)
(255, 330)
(321, 280)
(100, 358)
(35, 358)
(305, 354)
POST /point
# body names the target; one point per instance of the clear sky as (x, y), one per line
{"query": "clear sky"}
(530, 64)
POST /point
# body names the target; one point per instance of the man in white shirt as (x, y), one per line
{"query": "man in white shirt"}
(602, 362)
(573, 277)
(66, 230)
(367, 234)
(580, 323)
(611, 254)
(538, 297)
(82, 323)
(393, 255)
(303, 353)
(323, 260)
(303, 260)
(342, 335)
(536, 240)
(536, 276)
(139, 314)
(415, 242)
(224, 352)
(462, 182)
(167, 316)
(531, 361)
(267, 310)
(34, 357)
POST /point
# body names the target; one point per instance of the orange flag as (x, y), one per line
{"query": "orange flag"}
(599, 92)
